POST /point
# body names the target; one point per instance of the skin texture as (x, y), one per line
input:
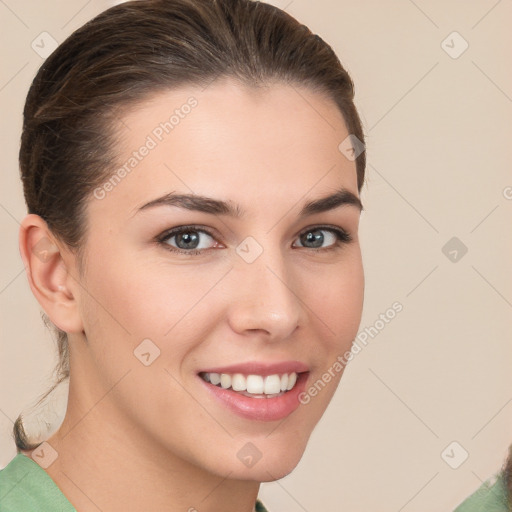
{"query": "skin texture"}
(139, 437)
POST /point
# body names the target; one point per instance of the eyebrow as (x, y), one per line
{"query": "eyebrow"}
(342, 197)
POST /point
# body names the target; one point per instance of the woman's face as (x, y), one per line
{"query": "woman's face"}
(254, 283)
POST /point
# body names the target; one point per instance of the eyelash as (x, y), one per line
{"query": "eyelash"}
(342, 238)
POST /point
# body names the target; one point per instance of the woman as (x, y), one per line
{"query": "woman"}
(192, 171)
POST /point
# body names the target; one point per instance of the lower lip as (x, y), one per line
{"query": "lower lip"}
(263, 409)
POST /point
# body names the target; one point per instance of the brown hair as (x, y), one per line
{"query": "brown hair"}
(121, 57)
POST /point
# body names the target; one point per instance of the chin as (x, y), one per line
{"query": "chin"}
(273, 473)
(274, 462)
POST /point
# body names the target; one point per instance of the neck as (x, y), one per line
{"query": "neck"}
(105, 463)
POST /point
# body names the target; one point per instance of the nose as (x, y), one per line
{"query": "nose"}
(264, 300)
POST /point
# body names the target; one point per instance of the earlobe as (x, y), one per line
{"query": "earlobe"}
(48, 274)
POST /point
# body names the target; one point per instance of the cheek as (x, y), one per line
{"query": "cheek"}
(143, 299)
(133, 301)
(337, 308)
(338, 301)
(128, 301)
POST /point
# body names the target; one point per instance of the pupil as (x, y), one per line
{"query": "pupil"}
(315, 239)
(189, 240)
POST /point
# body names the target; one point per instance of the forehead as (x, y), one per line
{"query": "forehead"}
(233, 142)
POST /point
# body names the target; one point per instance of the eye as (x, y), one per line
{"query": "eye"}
(187, 240)
(193, 240)
(315, 238)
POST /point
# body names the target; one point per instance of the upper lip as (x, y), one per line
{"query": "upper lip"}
(260, 368)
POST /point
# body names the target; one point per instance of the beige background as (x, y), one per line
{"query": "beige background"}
(439, 158)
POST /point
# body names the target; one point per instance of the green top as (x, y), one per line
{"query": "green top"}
(26, 487)
(491, 496)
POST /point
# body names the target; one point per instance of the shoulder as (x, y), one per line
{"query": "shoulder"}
(491, 496)
(24, 485)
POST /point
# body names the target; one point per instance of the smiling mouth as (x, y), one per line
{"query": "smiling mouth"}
(254, 386)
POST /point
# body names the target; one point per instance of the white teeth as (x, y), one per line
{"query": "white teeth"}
(225, 380)
(270, 385)
(238, 382)
(284, 382)
(255, 384)
(291, 381)
(214, 378)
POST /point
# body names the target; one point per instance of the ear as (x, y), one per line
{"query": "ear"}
(51, 273)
